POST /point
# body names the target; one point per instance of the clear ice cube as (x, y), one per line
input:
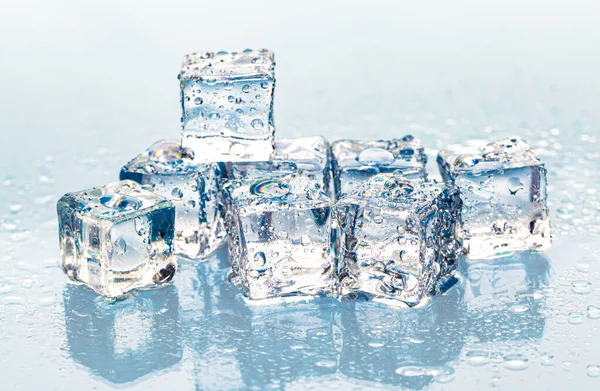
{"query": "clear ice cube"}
(503, 188)
(280, 236)
(193, 189)
(116, 238)
(227, 103)
(396, 239)
(355, 161)
(308, 155)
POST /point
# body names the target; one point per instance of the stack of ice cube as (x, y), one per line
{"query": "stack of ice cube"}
(301, 218)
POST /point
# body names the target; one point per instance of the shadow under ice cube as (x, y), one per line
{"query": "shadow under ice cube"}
(503, 188)
(397, 239)
(193, 189)
(280, 237)
(227, 103)
(355, 161)
(116, 238)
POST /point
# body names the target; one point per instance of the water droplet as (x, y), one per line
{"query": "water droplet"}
(466, 161)
(514, 185)
(581, 287)
(177, 193)
(326, 364)
(260, 259)
(411, 370)
(197, 101)
(121, 246)
(593, 312)
(515, 362)
(576, 318)
(15, 208)
(305, 240)
(246, 88)
(593, 370)
(257, 124)
(377, 156)
(477, 358)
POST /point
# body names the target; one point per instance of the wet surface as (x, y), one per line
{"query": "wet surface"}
(530, 321)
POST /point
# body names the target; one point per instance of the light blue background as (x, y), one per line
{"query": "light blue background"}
(84, 87)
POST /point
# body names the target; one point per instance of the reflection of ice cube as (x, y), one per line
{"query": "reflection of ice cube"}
(227, 103)
(504, 297)
(116, 238)
(355, 161)
(124, 340)
(193, 189)
(295, 340)
(396, 238)
(280, 236)
(503, 188)
(215, 322)
(407, 348)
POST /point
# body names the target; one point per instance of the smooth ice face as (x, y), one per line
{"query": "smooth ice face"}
(355, 161)
(193, 189)
(503, 188)
(116, 238)
(227, 102)
(307, 155)
(280, 237)
(396, 239)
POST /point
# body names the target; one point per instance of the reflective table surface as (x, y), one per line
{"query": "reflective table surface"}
(87, 87)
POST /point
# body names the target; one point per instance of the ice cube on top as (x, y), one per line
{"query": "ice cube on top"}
(503, 187)
(193, 189)
(307, 155)
(117, 237)
(227, 103)
(354, 161)
(397, 238)
(279, 232)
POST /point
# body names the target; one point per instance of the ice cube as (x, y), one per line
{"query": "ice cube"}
(308, 155)
(193, 189)
(397, 239)
(503, 188)
(117, 238)
(280, 236)
(355, 161)
(227, 102)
